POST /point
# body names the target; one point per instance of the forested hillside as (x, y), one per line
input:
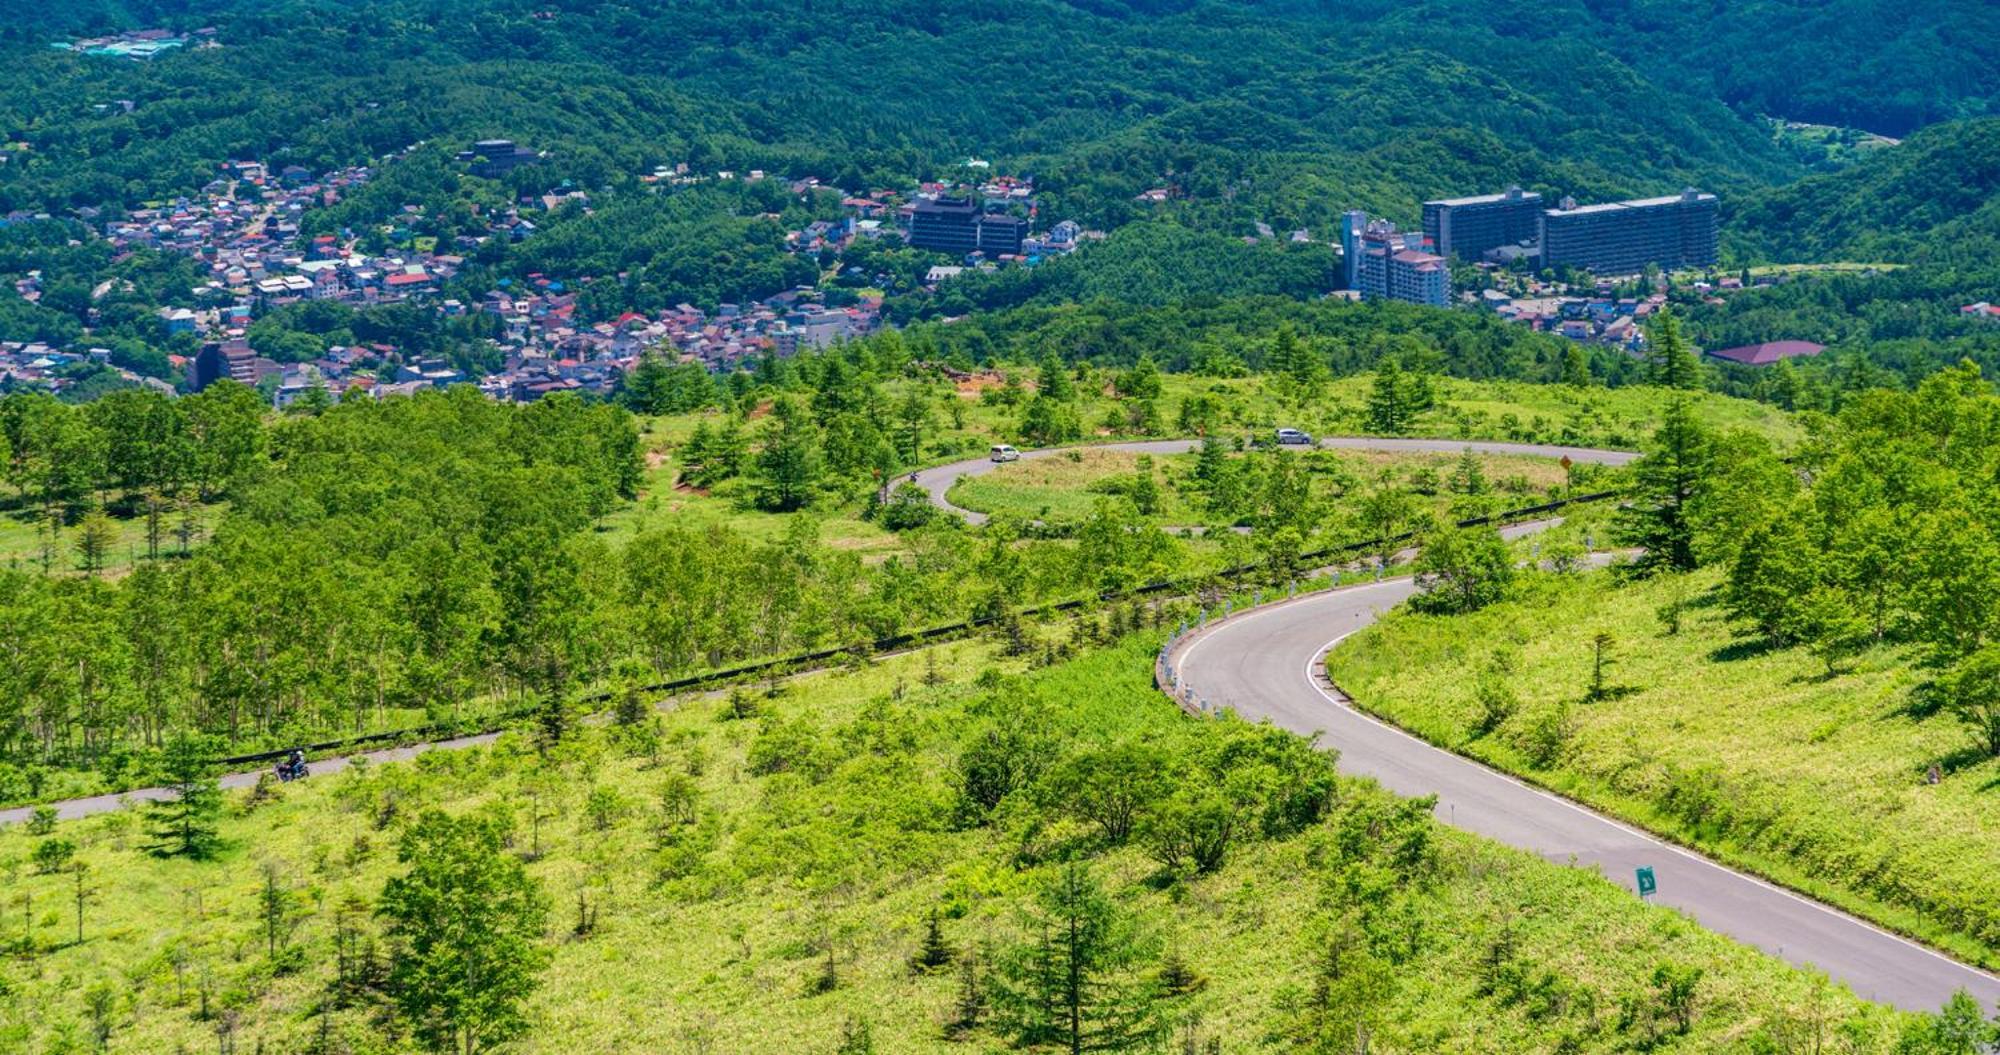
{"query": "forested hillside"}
(316, 431)
(1253, 111)
(1934, 199)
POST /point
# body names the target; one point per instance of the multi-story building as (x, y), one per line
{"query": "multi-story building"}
(1385, 264)
(233, 360)
(960, 226)
(1623, 237)
(1352, 223)
(1469, 228)
(1001, 234)
(494, 158)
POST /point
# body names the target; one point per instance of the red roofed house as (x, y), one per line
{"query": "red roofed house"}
(1769, 352)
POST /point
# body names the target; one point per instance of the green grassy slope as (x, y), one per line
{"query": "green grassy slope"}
(827, 825)
(1068, 488)
(1754, 754)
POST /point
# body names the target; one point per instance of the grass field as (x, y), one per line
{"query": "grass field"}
(1068, 488)
(838, 857)
(965, 426)
(1756, 755)
(23, 539)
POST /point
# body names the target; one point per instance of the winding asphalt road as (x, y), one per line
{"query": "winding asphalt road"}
(1266, 663)
(939, 480)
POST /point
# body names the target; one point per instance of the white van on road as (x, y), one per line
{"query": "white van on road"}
(1003, 453)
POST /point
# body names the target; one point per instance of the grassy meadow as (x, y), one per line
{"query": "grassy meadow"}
(1757, 755)
(966, 422)
(24, 540)
(1068, 488)
(782, 915)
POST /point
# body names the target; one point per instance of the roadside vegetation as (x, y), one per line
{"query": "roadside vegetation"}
(362, 566)
(1797, 676)
(935, 852)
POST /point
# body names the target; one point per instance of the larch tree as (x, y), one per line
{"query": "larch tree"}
(789, 466)
(465, 922)
(1076, 983)
(1576, 366)
(1665, 483)
(1389, 403)
(1672, 359)
(186, 825)
(1142, 381)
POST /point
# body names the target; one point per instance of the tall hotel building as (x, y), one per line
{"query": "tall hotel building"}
(1622, 237)
(1469, 228)
(1384, 264)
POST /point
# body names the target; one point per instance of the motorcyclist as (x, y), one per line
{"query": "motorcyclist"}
(294, 765)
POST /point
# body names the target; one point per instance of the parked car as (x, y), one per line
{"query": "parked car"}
(1294, 436)
(1003, 453)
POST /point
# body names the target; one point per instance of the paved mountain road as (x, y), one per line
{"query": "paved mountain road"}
(939, 480)
(71, 809)
(1265, 663)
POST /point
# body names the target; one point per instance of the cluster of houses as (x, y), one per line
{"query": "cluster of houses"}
(34, 364)
(548, 350)
(545, 349)
(139, 44)
(1601, 316)
(245, 228)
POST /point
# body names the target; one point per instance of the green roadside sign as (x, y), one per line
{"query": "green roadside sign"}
(1647, 884)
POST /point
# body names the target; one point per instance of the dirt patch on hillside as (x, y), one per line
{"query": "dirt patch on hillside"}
(971, 387)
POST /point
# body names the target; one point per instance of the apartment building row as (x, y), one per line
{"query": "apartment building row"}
(1611, 238)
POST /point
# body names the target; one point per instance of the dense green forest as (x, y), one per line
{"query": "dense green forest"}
(1934, 199)
(1278, 132)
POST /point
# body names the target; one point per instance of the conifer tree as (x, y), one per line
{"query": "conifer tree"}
(94, 540)
(935, 953)
(1673, 361)
(1389, 403)
(1053, 382)
(913, 419)
(1075, 984)
(1576, 366)
(790, 462)
(1142, 381)
(1665, 483)
(186, 824)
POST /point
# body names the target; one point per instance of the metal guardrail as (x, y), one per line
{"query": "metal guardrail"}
(895, 642)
